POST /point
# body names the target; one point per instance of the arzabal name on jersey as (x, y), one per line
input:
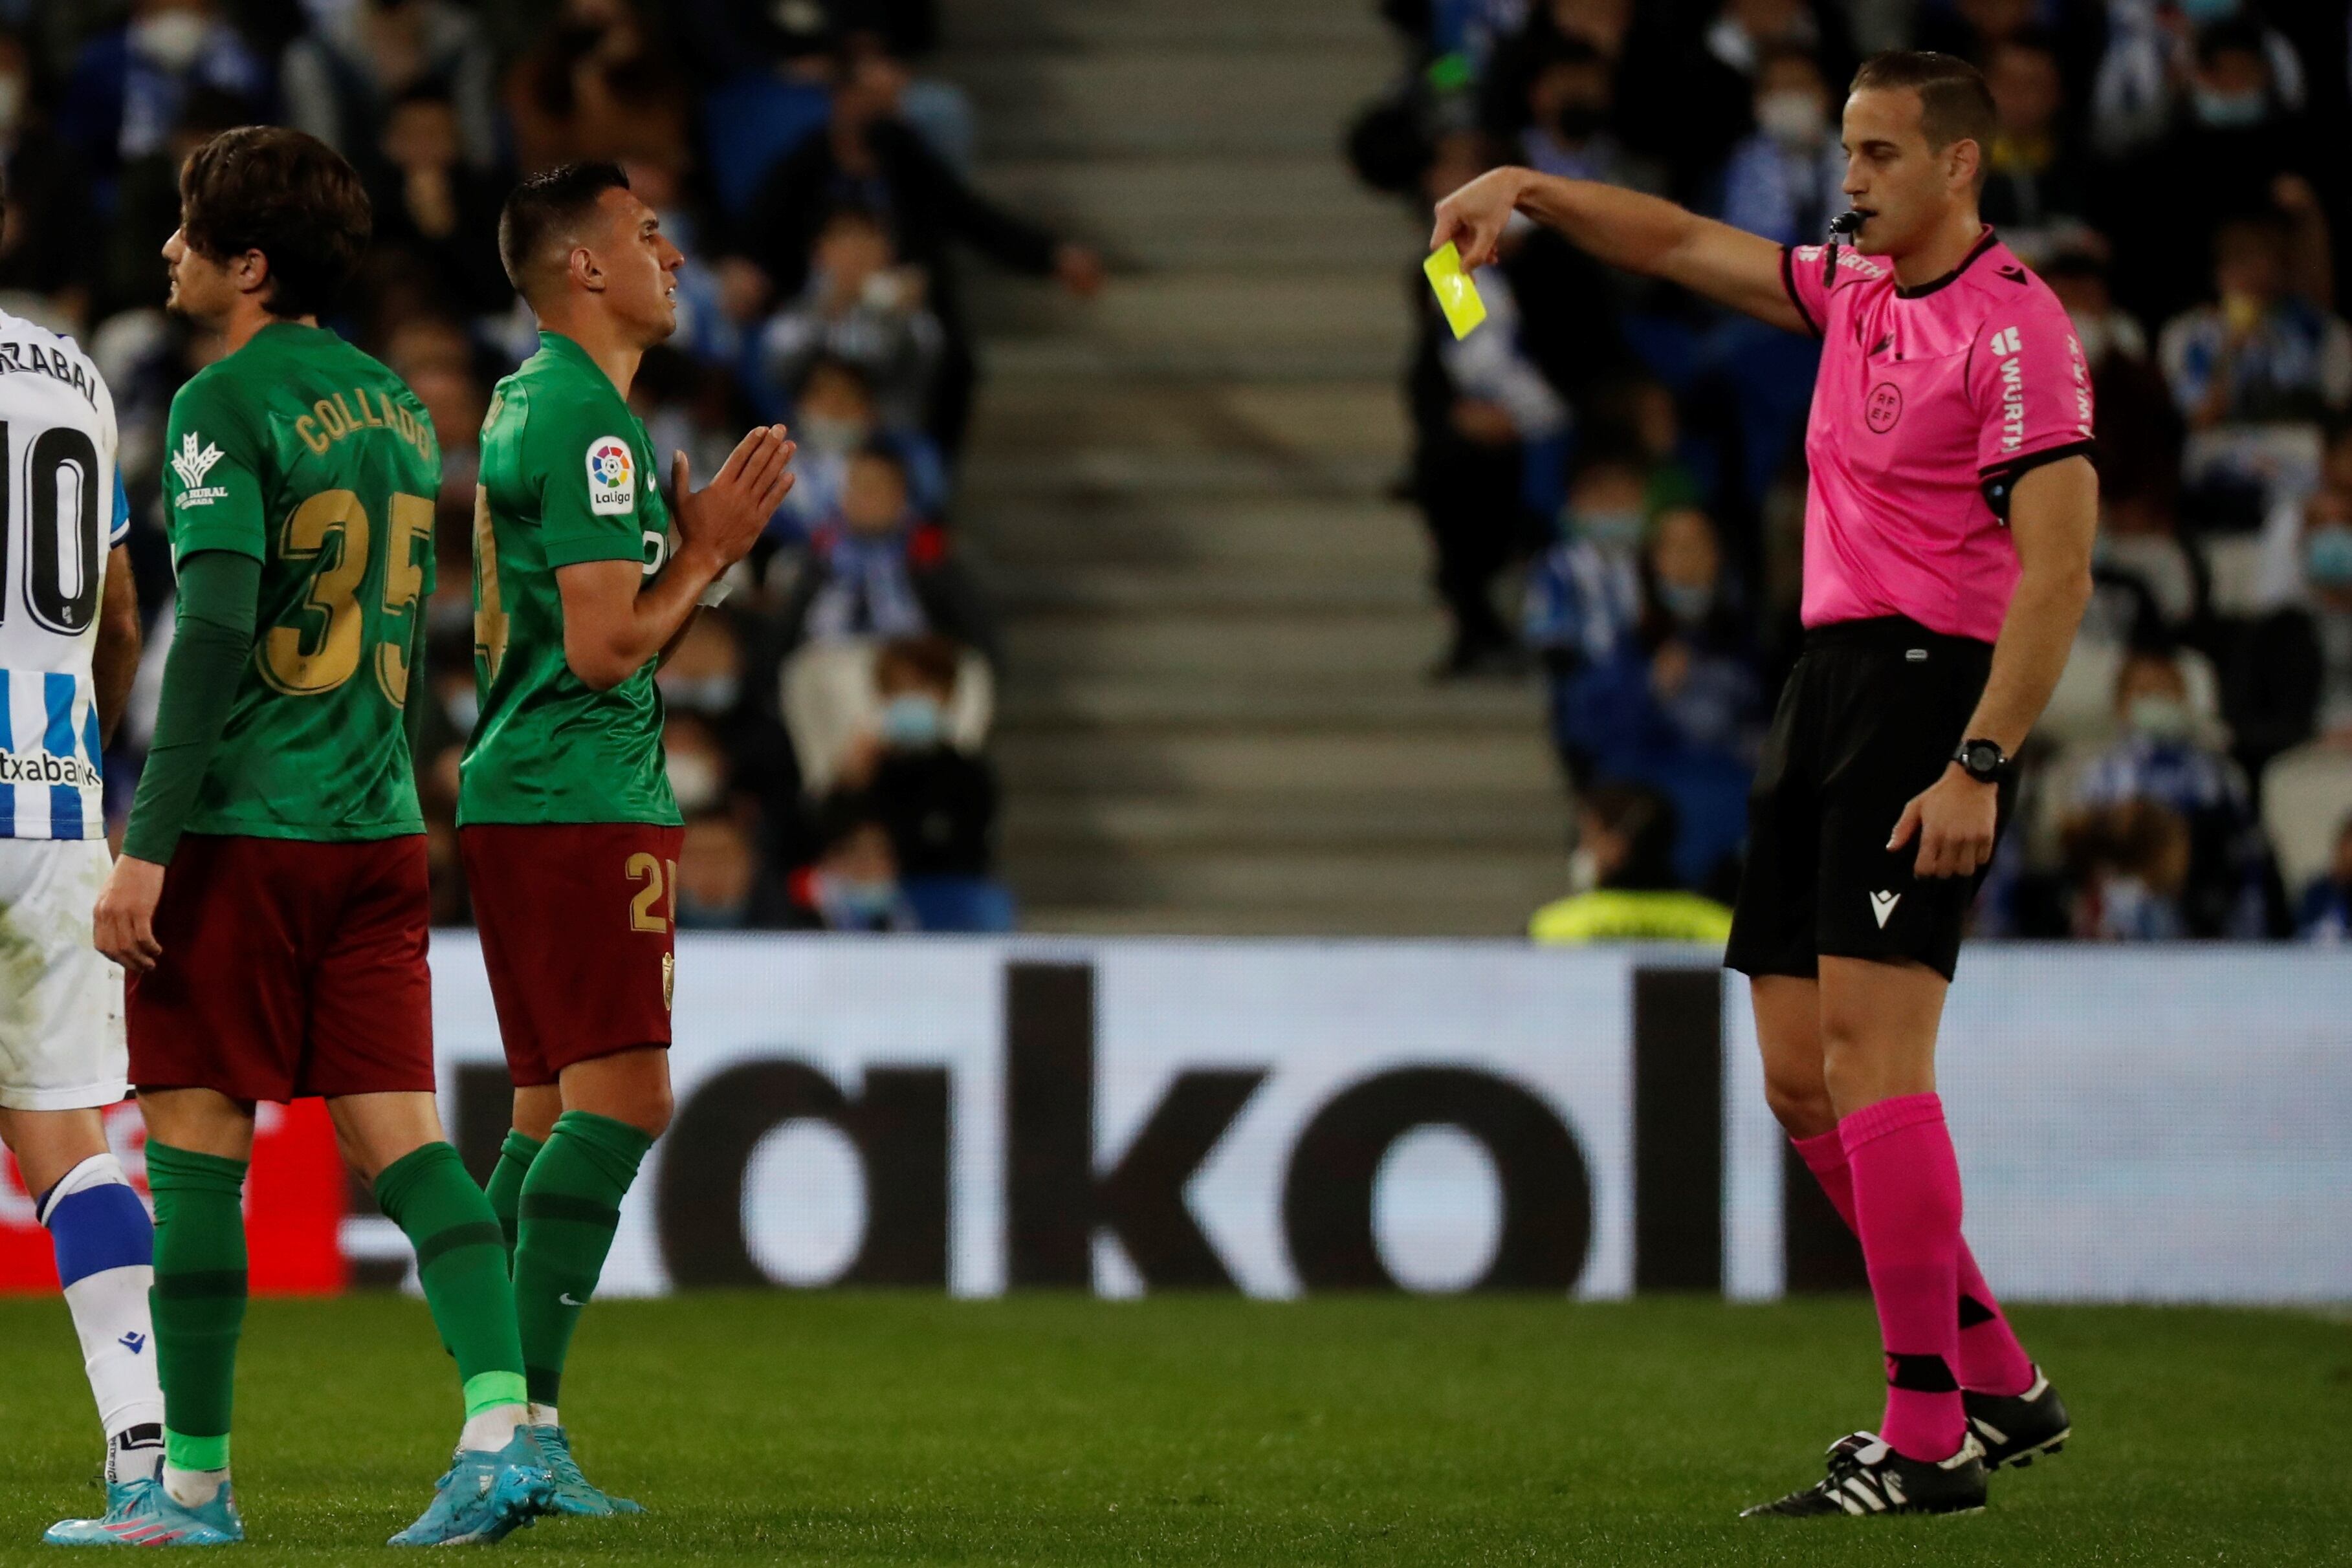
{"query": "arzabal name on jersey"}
(17, 357)
(42, 768)
(331, 420)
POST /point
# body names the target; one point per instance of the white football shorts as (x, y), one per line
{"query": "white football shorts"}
(61, 1041)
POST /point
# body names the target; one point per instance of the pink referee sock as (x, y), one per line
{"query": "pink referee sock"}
(1991, 1359)
(1907, 1201)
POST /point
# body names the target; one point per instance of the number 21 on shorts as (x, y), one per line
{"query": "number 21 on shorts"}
(655, 905)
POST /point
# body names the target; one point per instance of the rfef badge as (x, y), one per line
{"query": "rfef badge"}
(611, 477)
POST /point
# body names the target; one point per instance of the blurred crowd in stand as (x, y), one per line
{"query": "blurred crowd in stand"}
(1611, 472)
(827, 727)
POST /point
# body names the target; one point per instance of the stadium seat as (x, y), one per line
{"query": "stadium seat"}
(2306, 796)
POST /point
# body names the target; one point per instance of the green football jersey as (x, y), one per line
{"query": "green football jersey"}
(306, 454)
(567, 478)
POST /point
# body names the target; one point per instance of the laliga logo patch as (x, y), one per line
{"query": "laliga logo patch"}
(611, 477)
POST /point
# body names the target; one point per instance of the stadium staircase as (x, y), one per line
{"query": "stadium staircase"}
(1215, 718)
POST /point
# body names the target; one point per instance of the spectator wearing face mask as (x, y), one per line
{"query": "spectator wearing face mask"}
(703, 677)
(877, 568)
(1692, 90)
(2324, 914)
(345, 78)
(2036, 189)
(861, 307)
(853, 884)
(2162, 758)
(2129, 866)
(1783, 180)
(1622, 874)
(721, 886)
(2235, 149)
(128, 83)
(936, 801)
(1486, 417)
(2293, 682)
(2267, 350)
(2149, 73)
(1679, 705)
(1571, 100)
(1584, 594)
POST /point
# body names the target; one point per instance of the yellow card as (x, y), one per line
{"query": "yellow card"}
(1457, 296)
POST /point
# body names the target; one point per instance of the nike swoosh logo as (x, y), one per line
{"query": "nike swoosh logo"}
(565, 1296)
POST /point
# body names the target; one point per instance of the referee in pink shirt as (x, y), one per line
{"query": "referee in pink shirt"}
(1948, 525)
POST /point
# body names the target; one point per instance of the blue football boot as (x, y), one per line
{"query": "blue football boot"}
(141, 1513)
(485, 1496)
(575, 1492)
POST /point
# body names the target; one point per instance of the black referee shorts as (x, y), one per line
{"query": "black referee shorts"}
(1870, 718)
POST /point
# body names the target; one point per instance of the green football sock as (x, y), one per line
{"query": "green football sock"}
(504, 1188)
(198, 1299)
(461, 1263)
(570, 1206)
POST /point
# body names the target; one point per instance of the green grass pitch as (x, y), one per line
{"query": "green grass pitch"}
(911, 1429)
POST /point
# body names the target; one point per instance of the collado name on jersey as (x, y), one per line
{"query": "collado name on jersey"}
(611, 477)
(21, 356)
(331, 420)
(192, 462)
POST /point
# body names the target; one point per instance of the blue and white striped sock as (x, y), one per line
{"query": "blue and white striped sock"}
(106, 1252)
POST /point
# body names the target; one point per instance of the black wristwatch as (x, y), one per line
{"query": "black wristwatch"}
(1984, 759)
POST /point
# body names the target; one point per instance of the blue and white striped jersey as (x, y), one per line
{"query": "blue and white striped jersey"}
(61, 511)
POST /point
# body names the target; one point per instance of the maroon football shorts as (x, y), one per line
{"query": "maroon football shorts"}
(577, 922)
(290, 969)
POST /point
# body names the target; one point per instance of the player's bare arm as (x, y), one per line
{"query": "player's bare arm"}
(2055, 517)
(114, 662)
(615, 620)
(1625, 229)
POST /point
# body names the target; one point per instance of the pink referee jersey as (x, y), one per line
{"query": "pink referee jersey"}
(1930, 403)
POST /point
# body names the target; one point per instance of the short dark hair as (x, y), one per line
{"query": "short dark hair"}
(1955, 104)
(546, 205)
(932, 660)
(287, 194)
(1646, 820)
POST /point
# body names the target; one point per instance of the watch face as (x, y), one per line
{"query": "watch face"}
(1983, 759)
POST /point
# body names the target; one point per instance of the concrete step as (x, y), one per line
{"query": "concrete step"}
(1486, 889)
(1170, 97)
(1046, 820)
(1182, 212)
(1279, 534)
(1207, 324)
(1087, 474)
(1370, 645)
(1036, 701)
(1428, 918)
(1352, 763)
(1110, 590)
(1025, 414)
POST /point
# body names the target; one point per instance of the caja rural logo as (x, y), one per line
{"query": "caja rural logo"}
(612, 487)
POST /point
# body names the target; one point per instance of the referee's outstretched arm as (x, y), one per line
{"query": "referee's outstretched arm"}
(1626, 229)
(2054, 516)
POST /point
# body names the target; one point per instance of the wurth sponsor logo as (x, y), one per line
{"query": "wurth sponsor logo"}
(2012, 388)
(44, 768)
